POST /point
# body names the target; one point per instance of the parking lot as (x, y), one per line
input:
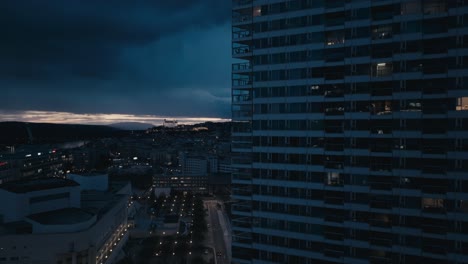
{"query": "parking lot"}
(169, 231)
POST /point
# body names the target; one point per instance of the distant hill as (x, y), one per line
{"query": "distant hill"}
(22, 133)
(132, 126)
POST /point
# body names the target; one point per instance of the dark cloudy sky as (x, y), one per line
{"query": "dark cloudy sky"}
(137, 57)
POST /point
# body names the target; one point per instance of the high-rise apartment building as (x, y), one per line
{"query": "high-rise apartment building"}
(350, 131)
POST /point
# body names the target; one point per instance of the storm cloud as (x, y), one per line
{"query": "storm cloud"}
(135, 57)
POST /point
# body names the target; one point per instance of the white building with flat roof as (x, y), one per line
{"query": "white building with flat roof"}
(51, 221)
(37, 196)
(91, 180)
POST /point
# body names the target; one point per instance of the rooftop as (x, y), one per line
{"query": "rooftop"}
(65, 216)
(90, 174)
(32, 185)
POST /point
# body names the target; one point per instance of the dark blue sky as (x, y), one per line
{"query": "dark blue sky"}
(152, 57)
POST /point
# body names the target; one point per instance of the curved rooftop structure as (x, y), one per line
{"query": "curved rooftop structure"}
(31, 185)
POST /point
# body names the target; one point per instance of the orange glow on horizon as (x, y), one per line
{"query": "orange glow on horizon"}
(98, 119)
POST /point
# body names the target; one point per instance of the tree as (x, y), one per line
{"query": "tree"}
(198, 260)
(199, 227)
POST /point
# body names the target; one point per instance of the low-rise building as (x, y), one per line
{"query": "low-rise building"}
(57, 221)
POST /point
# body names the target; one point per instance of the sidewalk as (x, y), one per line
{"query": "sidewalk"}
(226, 227)
(209, 241)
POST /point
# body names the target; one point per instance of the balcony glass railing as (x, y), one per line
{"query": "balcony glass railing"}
(241, 66)
(334, 235)
(241, 82)
(236, 3)
(241, 34)
(242, 50)
(241, 208)
(382, 70)
(242, 176)
(241, 18)
(380, 223)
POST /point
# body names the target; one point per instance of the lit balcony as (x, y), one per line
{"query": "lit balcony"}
(383, 69)
(382, 32)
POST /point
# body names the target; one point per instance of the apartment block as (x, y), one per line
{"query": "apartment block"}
(350, 131)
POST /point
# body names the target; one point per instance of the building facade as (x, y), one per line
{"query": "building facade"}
(349, 131)
(55, 220)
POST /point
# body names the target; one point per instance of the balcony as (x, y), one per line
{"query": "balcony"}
(381, 242)
(241, 160)
(333, 253)
(381, 204)
(434, 229)
(333, 93)
(333, 179)
(241, 80)
(379, 260)
(434, 210)
(241, 33)
(333, 129)
(433, 169)
(382, 70)
(237, 3)
(244, 191)
(434, 189)
(334, 147)
(334, 218)
(242, 176)
(333, 200)
(336, 75)
(434, 7)
(429, 89)
(334, 165)
(240, 51)
(434, 249)
(335, 4)
(241, 223)
(334, 110)
(381, 148)
(381, 186)
(241, 239)
(241, 208)
(241, 18)
(335, 37)
(380, 223)
(381, 130)
(382, 32)
(244, 66)
(381, 108)
(333, 235)
(434, 149)
(381, 166)
(241, 98)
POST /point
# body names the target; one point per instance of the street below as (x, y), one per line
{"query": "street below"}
(218, 232)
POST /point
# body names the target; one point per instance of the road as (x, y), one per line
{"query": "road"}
(219, 233)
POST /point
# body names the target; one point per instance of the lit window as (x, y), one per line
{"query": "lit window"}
(432, 203)
(257, 11)
(462, 104)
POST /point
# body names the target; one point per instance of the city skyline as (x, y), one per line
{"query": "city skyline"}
(86, 57)
(55, 117)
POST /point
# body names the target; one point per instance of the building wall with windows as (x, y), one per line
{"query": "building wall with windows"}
(349, 132)
(37, 196)
(95, 244)
(70, 227)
